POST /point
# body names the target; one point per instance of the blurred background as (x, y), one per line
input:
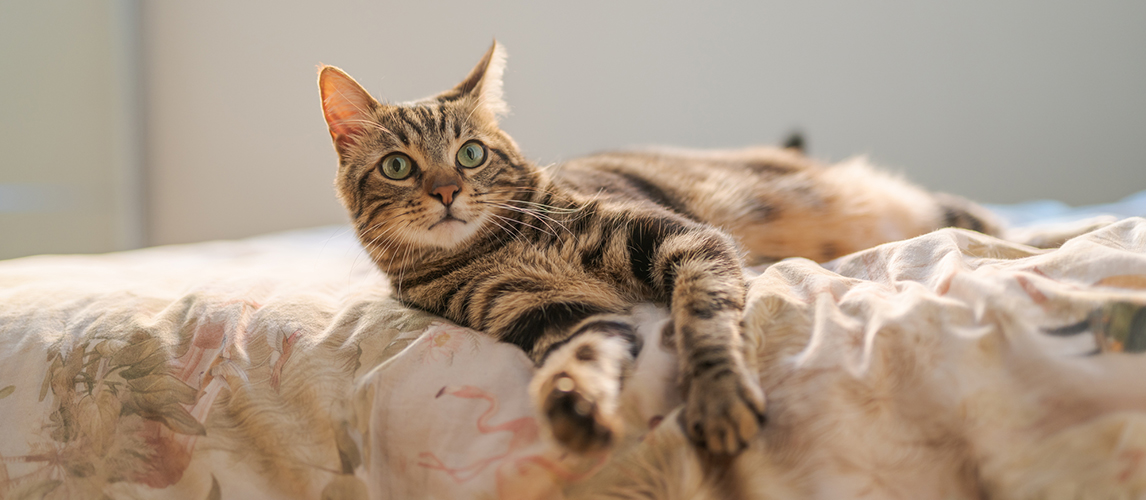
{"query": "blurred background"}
(132, 123)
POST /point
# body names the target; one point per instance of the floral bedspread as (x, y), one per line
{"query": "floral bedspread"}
(278, 367)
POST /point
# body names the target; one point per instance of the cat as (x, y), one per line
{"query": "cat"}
(551, 259)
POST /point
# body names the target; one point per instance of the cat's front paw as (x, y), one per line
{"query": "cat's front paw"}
(725, 408)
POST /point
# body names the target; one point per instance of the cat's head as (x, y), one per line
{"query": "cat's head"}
(433, 173)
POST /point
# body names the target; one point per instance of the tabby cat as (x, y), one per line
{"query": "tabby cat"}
(551, 259)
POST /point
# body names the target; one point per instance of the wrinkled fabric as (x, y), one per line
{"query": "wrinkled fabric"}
(952, 365)
(280, 367)
(955, 364)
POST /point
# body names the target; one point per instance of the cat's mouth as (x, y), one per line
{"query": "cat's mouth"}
(445, 220)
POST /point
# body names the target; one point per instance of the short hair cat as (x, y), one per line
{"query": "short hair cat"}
(551, 259)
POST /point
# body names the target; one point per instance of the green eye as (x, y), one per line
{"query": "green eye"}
(397, 166)
(471, 154)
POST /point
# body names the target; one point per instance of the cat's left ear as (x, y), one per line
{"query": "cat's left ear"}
(346, 106)
(483, 85)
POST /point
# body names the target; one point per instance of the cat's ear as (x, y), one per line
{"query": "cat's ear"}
(483, 85)
(346, 106)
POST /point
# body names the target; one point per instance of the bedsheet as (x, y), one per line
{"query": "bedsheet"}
(950, 365)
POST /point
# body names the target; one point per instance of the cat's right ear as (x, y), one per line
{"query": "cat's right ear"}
(483, 85)
(346, 106)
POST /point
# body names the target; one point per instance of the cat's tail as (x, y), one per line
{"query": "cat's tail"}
(796, 142)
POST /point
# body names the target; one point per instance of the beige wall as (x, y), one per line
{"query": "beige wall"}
(1000, 101)
(69, 146)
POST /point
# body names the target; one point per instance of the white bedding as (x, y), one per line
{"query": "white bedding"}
(952, 365)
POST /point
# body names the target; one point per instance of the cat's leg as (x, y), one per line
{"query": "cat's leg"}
(956, 211)
(824, 213)
(725, 405)
(570, 323)
(698, 270)
(578, 383)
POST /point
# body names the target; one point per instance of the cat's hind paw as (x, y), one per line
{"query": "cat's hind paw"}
(576, 421)
(577, 390)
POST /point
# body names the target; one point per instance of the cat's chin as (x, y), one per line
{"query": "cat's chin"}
(450, 232)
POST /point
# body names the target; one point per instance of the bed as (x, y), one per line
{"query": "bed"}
(952, 365)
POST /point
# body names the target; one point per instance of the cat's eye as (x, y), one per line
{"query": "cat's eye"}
(397, 166)
(471, 154)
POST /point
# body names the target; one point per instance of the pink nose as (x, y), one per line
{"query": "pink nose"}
(446, 193)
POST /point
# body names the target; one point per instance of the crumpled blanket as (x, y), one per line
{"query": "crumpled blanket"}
(951, 365)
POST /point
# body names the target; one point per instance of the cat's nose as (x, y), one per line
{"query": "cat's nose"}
(445, 193)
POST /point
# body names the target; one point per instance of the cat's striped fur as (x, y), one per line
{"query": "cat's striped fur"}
(551, 259)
